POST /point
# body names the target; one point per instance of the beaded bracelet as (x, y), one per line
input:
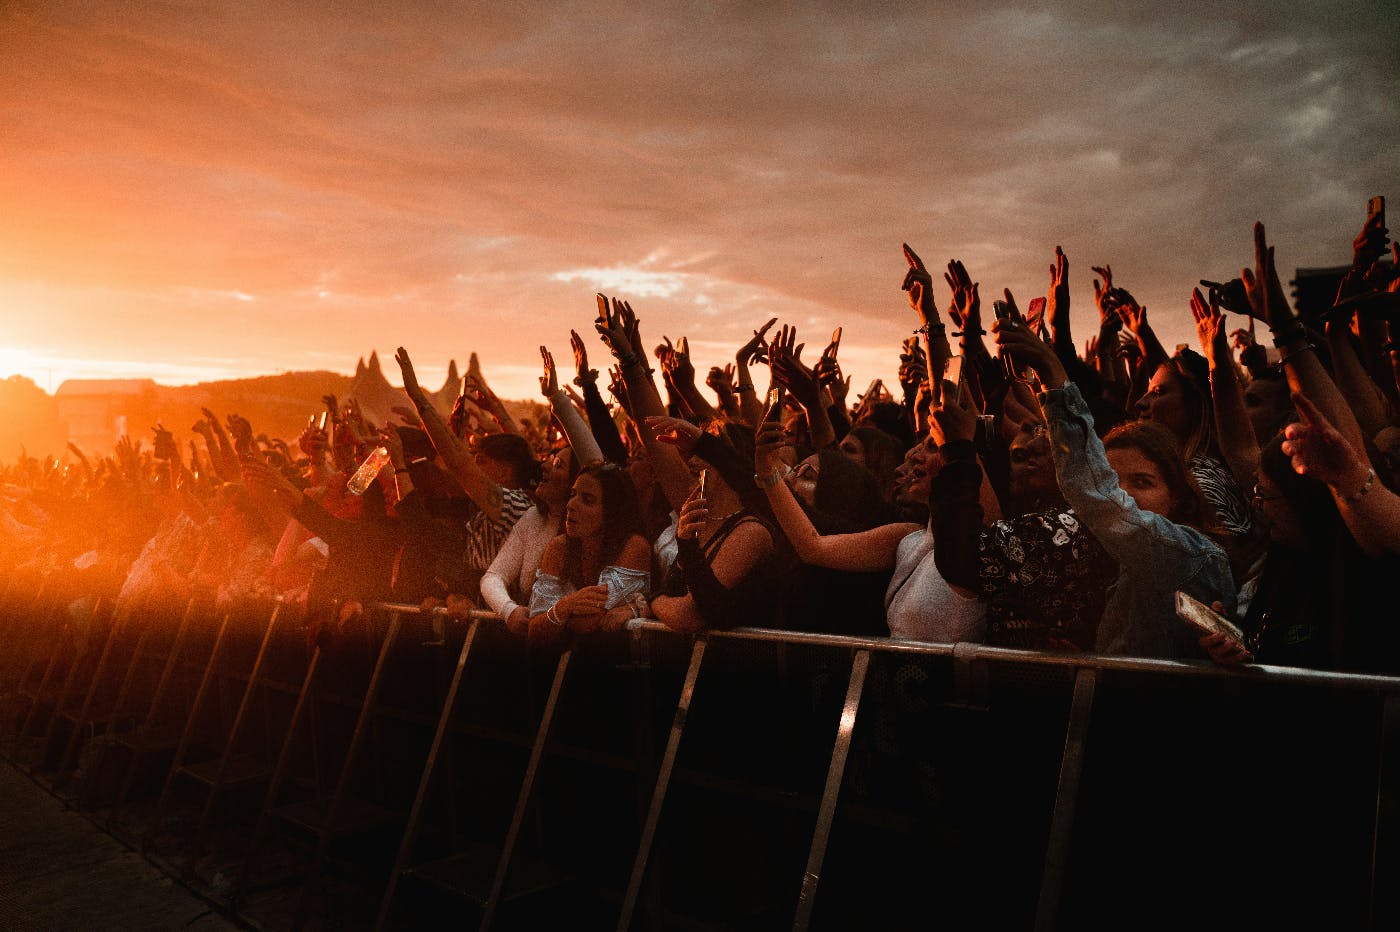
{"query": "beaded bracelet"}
(1293, 331)
(629, 359)
(1365, 489)
(552, 617)
(931, 328)
(1305, 348)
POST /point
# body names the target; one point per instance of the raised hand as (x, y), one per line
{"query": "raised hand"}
(549, 382)
(1014, 339)
(918, 285)
(586, 376)
(951, 419)
(756, 349)
(1318, 449)
(1103, 295)
(788, 370)
(721, 381)
(1261, 285)
(242, 432)
(410, 378)
(1133, 315)
(1210, 328)
(1057, 303)
(613, 331)
(675, 431)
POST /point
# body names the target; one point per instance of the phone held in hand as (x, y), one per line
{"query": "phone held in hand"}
(1206, 618)
(954, 374)
(773, 404)
(1035, 314)
(1003, 312)
(704, 475)
(1375, 207)
(321, 421)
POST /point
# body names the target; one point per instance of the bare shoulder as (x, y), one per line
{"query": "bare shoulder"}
(636, 553)
(552, 560)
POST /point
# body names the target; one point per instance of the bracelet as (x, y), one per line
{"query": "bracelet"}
(629, 359)
(770, 480)
(1305, 348)
(961, 333)
(1365, 489)
(552, 617)
(746, 388)
(931, 328)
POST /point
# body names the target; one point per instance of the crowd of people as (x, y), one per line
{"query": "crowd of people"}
(1011, 490)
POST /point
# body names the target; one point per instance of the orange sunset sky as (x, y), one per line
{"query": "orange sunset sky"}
(200, 191)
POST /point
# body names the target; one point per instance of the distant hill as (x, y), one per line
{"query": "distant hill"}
(94, 413)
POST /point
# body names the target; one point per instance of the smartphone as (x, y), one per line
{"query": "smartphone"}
(954, 374)
(870, 392)
(1375, 207)
(1035, 314)
(835, 342)
(1001, 309)
(321, 421)
(773, 404)
(1206, 618)
(704, 474)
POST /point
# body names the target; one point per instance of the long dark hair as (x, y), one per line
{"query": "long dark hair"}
(621, 519)
(540, 504)
(846, 498)
(1156, 442)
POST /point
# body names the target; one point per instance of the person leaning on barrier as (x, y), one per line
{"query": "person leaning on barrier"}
(596, 575)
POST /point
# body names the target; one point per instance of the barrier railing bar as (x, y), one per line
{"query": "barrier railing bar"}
(1066, 798)
(80, 720)
(663, 779)
(1383, 912)
(974, 651)
(860, 665)
(323, 842)
(425, 781)
(527, 786)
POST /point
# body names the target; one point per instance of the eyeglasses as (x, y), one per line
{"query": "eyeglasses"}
(1259, 495)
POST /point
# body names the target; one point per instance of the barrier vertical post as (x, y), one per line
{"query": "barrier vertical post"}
(153, 710)
(1066, 797)
(527, 786)
(386, 902)
(663, 779)
(826, 815)
(188, 733)
(1384, 908)
(323, 843)
(235, 732)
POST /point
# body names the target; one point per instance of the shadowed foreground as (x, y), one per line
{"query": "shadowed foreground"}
(58, 871)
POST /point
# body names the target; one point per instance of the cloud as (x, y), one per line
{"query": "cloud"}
(420, 174)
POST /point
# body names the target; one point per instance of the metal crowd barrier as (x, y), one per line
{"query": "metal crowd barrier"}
(358, 740)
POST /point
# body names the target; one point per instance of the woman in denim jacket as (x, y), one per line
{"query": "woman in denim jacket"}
(1133, 492)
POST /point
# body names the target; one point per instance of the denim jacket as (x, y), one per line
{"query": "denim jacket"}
(1156, 557)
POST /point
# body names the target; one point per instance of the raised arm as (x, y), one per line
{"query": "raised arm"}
(864, 551)
(619, 328)
(480, 488)
(576, 431)
(1371, 511)
(754, 350)
(1232, 427)
(1305, 372)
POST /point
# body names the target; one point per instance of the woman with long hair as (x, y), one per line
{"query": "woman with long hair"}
(1133, 492)
(597, 574)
